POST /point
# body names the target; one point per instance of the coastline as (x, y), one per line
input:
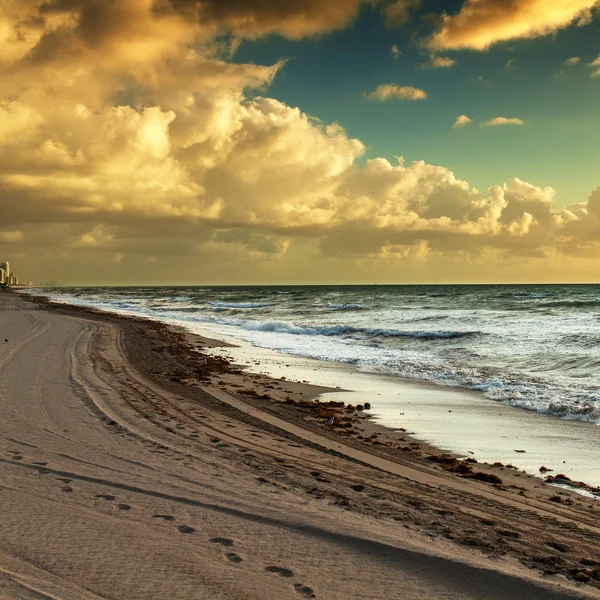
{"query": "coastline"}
(288, 450)
(453, 420)
(459, 421)
(283, 395)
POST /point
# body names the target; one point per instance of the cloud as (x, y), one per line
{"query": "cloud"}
(9, 237)
(595, 64)
(390, 91)
(98, 236)
(396, 52)
(439, 62)
(510, 63)
(135, 153)
(480, 24)
(137, 36)
(574, 60)
(462, 121)
(398, 13)
(503, 121)
(294, 19)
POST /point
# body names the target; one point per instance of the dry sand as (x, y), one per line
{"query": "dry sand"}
(135, 467)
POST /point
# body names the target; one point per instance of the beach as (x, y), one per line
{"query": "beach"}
(137, 464)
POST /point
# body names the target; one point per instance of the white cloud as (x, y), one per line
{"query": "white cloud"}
(389, 91)
(503, 121)
(462, 121)
(595, 64)
(510, 63)
(574, 60)
(396, 52)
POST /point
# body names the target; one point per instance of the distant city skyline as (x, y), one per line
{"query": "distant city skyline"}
(9, 278)
(353, 141)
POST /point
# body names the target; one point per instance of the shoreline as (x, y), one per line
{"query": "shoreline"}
(457, 421)
(292, 453)
(443, 418)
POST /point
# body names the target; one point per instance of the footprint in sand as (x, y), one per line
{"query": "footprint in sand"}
(299, 588)
(40, 463)
(123, 507)
(67, 489)
(304, 590)
(222, 541)
(105, 496)
(164, 517)
(64, 480)
(233, 557)
(282, 571)
(185, 529)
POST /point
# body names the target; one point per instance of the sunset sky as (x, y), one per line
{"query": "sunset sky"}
(254, 141)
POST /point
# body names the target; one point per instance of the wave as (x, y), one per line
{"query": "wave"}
(332, 306)
(544, 396)
(224, 305)
(525, 295)
(571, 304)
(428, 318)
(338, 330)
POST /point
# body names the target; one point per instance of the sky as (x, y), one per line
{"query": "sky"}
(250, 142)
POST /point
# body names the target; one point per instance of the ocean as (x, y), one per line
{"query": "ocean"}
(534, 347)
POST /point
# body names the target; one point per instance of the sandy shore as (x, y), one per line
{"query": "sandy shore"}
(460, 421)
(135, 466)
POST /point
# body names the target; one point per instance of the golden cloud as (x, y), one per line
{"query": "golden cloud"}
(482, 23)
(398, 13)
(121, 156)
(503, 121)
(462, 121)
(396, 52)
(294, 19)
(442, 62)
(391, 91)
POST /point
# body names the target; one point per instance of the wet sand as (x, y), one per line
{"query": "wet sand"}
(135, 466)
(462, 422)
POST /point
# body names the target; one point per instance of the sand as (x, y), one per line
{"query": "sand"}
(133, 466)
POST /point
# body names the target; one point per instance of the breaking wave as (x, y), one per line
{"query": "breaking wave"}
(224, 305)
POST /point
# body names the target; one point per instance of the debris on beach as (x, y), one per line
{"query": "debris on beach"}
(463, 468)
(561, 479)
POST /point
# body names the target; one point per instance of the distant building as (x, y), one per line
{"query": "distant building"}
(8, 278)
